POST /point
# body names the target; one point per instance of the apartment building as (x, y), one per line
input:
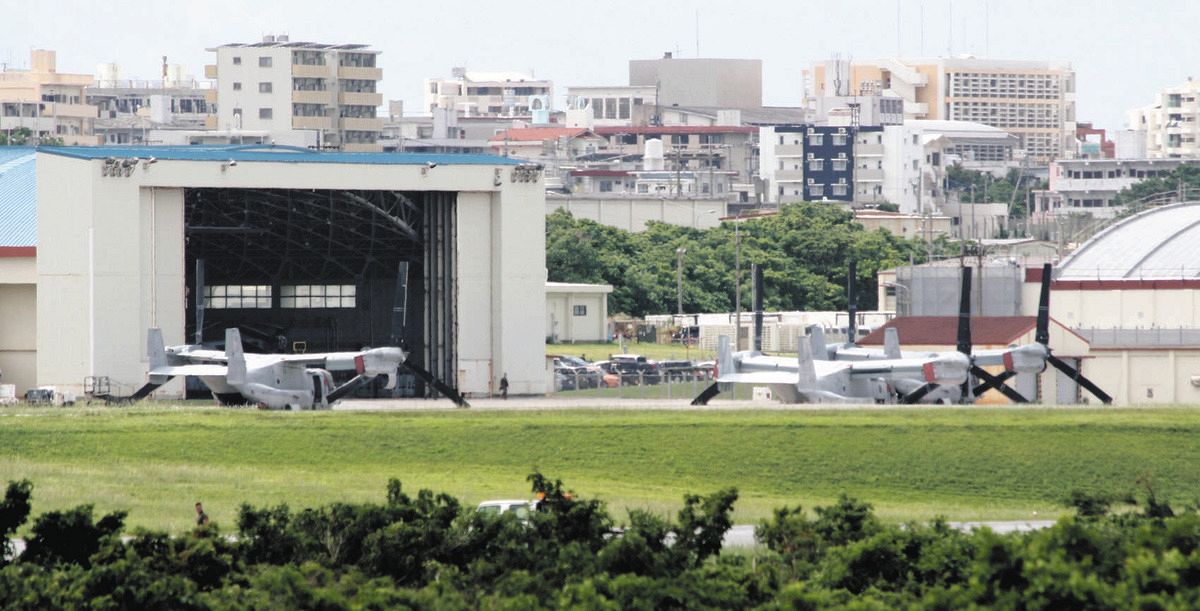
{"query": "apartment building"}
(302, 93)
(702, 148)
(822, 162)
(136, 111)
(1089, 185)
(48, 103)
(1032, 100)
(490, 94)
(1171, 126)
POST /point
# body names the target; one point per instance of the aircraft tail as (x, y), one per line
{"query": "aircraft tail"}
(816, 337)
(891, 343)
(156, 349)
(236, 358)
(724, 357)
(806, 371)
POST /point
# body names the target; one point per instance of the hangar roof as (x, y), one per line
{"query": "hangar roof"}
(18, 197)
(1162, 242)
(272, 153)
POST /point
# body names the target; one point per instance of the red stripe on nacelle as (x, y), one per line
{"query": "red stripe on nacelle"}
(1008, 361)
(928, 370)
(359, 366)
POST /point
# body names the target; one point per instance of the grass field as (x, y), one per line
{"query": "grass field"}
(156, 461)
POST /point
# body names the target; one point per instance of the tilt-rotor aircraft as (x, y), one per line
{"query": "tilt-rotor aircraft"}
(805, 379)
(275, 381)
(1026, 358)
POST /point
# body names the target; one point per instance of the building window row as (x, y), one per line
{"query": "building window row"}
(317, 296)
(237, 296)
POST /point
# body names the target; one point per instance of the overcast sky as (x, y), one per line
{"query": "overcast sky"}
(1123, 52)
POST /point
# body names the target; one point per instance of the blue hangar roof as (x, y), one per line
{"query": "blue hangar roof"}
(18, 196)
(268, 152)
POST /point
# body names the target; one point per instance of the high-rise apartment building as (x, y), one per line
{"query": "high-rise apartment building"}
(1171, 126)
(300, 92)
(1032, 100)
(48, 103)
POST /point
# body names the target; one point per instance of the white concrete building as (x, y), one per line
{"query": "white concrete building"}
(1088, 186)
(711, 82)
(18, 273)
(576, 312)
(490, 94)
(326, 245)
(1171, 126)
(613, 106)
(303, 93)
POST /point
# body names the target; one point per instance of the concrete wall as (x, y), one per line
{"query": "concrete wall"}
(724, 83)
(1163, 308)
(18, 322)
(632, 213)
(111, 261)
(1141, 376)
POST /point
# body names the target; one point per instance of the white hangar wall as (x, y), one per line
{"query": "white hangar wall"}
(110, 260)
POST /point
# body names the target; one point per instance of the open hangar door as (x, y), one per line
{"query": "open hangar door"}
(326, 270)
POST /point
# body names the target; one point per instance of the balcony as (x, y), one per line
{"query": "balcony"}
(362, 147)
(362, 124)
(312, 123)
(57, 109)
(868, 175)
(324, 98)
(210, 96)
(210, 71)
(868, 150)
(210, 122)
(789, 175)
(789, 150)
(358, 72)
(352, 98)
(311, 71)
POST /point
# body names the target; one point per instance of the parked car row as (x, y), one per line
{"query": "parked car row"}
(572, 373)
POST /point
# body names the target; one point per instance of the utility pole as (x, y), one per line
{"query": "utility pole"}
(679, 279)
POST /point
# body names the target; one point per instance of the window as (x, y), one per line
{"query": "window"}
(579, 310)
(816, 165)
(229, 296)
(643, 188)
(839, 139)
(606, 186)
(237, 61)
(816, 139)
(264, 113)
(237, 86)
(264, 87)
(839, 165)
(317, 296)
(816, 191)
(264, 62)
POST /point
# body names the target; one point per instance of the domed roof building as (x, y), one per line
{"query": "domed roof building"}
(1133, 291)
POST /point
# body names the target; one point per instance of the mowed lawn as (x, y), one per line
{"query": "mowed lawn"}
(156, 461)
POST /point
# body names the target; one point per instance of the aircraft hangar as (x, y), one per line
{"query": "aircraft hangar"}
(304, 251)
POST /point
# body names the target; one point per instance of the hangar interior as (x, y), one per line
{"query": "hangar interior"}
(323, 270)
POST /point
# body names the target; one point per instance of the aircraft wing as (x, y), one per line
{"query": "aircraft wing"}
(190, 370)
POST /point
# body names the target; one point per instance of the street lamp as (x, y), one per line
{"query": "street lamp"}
(679, 279)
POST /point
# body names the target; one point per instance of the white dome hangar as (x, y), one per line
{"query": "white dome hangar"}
(1161, 243)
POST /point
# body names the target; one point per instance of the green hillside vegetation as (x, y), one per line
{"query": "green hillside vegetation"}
(969, 463)
(804, 251)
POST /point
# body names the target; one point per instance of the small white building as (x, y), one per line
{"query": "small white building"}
(576, 312)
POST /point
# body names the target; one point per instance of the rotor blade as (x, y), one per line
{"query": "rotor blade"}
(354, 384)
(1043, 316)
(986, 384)
(918, 394)
(964, 313)
(998, 383)
(441, 386)
(145, 391)
(1079, 379)
(710, 392)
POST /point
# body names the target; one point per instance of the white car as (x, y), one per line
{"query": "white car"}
(520, 508)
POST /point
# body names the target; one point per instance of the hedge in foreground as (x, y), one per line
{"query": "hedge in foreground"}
(429, 552)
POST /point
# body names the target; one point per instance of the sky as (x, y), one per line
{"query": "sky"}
(1123, 52)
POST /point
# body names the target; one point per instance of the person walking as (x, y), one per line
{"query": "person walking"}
(504, 386)
(201, 517)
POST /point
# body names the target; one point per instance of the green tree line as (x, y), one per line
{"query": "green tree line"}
(429, 552)
(1186, 177)
(804, 250)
